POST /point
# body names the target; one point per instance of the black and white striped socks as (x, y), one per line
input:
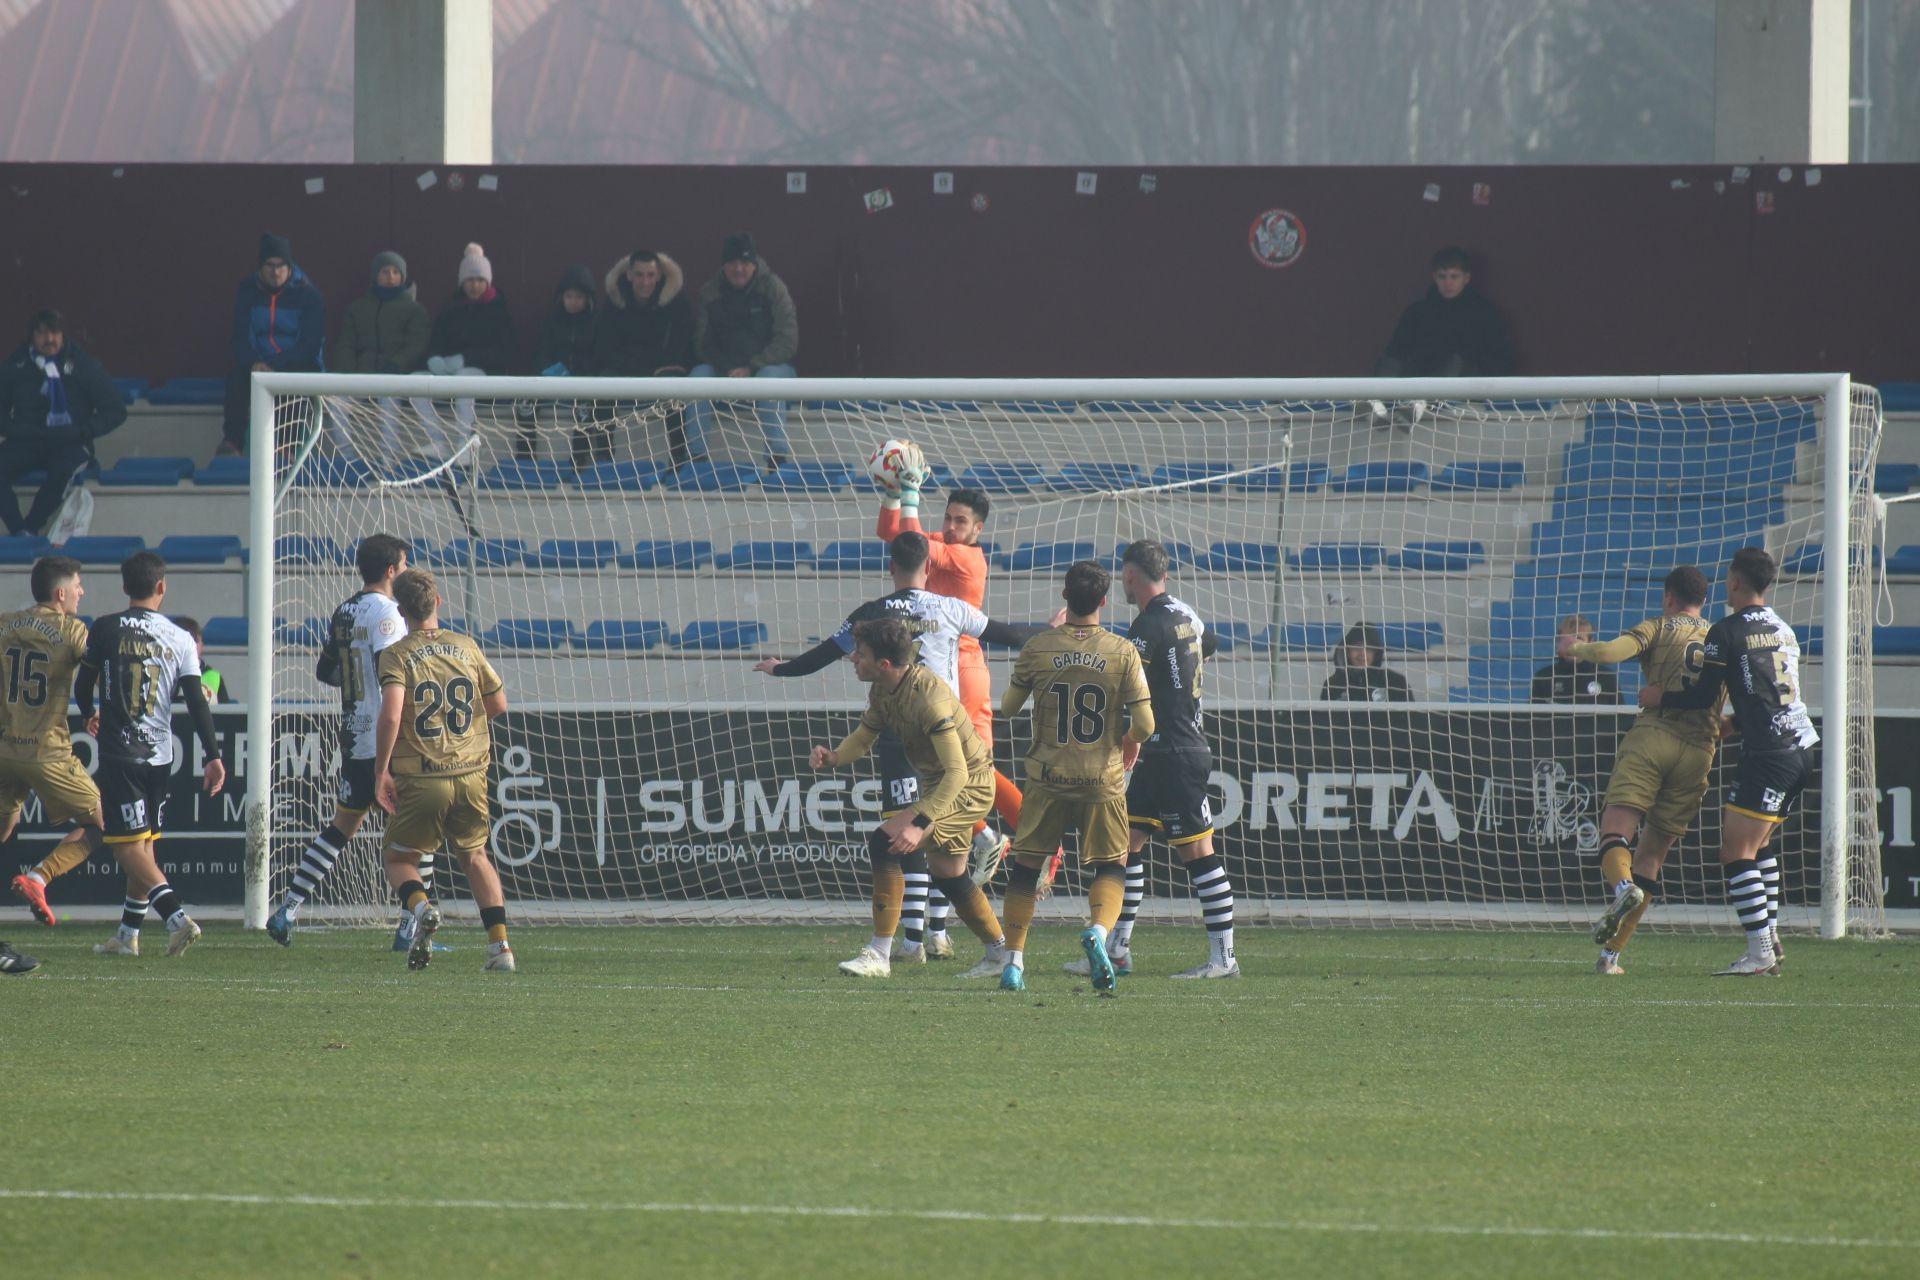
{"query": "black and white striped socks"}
(1210, 884)
(1747, 894)
(316, 860)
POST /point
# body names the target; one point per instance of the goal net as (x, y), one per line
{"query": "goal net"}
(1386, 566)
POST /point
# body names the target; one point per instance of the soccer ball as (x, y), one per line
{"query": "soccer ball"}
(897, 464)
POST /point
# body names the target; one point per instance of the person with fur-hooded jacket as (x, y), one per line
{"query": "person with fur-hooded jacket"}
(1359, 671)
(279, 326)
(646, 330)
(744, 326)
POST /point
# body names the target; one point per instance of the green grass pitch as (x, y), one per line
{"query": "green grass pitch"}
(688, 1101)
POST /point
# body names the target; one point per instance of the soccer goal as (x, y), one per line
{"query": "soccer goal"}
(1415, 556)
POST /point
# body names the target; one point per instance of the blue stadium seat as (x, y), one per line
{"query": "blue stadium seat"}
(485, 551)
(664, 553)
(721, 635)
(538, 635)
(1905, 560)
(215, 548)
(573, 553)
(228, 469)
(189, 391)
(1037, 557)
(1412, 637)
(1441, 557)
(1811, 557)
(714, 477)
(1900, 397)
(326, 471)
(1895, 477)
(1380, 477)
(1241, 557)
(100, 552)
(131, 389)
(622, 634)
(308, 633)
(1198, 477)
(1334, 557)
(766, 556)
(527, 473)
(626, 477)
(225, 632)
(23, 550)
(1505, 474)
(301, 548)
(1313, 637)
(1003, 477)
(1097, 477)
(1300, 477)
(147, 472)
(809, 477)
(1241, 635)
(853, 555)
(1896, 641)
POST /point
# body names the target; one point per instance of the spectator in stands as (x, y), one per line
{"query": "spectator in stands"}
(1359, 670)
(472, 335)
(1568, 681)
(568, 349)
(647, 329)
(279, 326)
(212, 681)
(385, 332)
(55, 400)
(1453, 332)
(744, 326)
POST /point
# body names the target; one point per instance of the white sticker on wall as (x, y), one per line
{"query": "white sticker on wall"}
(426, 179)
(1086, 183)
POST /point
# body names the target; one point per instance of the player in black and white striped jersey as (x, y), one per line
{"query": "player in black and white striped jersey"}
(141, 662)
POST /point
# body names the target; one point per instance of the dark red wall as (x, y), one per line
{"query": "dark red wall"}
(1599, 270)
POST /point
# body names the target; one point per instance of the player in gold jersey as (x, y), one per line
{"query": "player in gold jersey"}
(956, 789)
(1092, 710)
(1660, 772)
(432, 752)
(40, 650)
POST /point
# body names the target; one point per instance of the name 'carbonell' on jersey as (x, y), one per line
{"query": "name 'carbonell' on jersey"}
(364, 625)
(443, 729)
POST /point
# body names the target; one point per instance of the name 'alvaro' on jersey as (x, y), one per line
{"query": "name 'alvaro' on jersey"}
(140, 656)
(364, 624)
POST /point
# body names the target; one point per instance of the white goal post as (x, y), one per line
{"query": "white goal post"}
(625, 603)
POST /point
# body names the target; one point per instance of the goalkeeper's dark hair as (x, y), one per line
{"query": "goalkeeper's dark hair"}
(1687, 585)
(1755, 568)
(50, 573)
(377, 553)
(909, 551)
(887, 639)
(417, 594)
(1087, 584)
(191, 626)
(1149, 557)
(141, 574)
(971, 498)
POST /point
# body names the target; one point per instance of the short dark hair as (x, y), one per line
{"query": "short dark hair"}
(1087, 584)
(642, 255)
(909, 551)
(46, 318)
(1755, 568)
(190, 625)
(49, 572)
(377, 553)
(141, 574)
(1149, 557)
(1687, 585)
(887, 639)
(417, 594)
(1451, 256)
(971, 498)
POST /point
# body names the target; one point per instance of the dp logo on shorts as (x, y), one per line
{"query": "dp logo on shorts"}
(1277, 238)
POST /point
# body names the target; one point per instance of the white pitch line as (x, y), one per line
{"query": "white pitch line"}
(1280, 1226)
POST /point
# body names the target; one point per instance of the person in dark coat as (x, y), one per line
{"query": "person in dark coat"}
(1453, 332)
(472, 336)
(385, 331)
(569, 349)
(646, 330)
(1359, 670)
(1569, 681)
(55, 400)
(744, 326)
(279, 326)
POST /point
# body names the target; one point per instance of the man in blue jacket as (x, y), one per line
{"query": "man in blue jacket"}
(279, 323)
(54, 399)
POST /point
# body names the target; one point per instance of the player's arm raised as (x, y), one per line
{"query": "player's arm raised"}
(818, 658)
(1619, 649)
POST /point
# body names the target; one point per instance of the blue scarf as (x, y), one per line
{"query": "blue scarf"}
(58, 413)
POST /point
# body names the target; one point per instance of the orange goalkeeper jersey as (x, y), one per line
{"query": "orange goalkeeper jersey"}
(954, 570)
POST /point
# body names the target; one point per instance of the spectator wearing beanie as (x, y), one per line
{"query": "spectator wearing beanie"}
(54, 400)
(472, 335)
(279, 326)
(647, 329)
(744, 326)
(385, 332)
